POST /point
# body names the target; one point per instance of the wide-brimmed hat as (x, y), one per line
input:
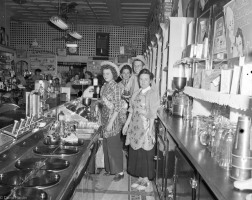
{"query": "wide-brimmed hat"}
(112, 65)
(123, 64)
(140, 58)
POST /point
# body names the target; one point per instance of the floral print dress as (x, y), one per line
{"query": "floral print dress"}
(139, 134)
(111, 102)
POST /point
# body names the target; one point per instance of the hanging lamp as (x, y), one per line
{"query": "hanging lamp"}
(57, 21)
(74, 34)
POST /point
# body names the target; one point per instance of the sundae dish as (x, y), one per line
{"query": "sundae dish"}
(62, 132)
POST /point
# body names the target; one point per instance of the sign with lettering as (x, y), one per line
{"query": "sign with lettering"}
(238, 21)
(47, 63)
(219, 36)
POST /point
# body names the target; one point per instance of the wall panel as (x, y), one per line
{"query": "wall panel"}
(22, 34)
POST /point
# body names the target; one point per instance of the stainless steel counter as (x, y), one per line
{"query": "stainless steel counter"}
(69, 178)
(215, 177)
(22, 148)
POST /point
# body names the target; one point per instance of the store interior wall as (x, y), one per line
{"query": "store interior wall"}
(48, 38)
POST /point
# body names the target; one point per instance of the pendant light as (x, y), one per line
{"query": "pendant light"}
(57, 21)
(74, 34)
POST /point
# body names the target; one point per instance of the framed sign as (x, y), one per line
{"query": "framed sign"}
(238, 23)
(219, 41)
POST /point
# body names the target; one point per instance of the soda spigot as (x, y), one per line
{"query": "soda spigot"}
(14, 127)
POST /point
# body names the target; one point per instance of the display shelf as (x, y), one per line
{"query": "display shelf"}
(241, 102)
(188, 60)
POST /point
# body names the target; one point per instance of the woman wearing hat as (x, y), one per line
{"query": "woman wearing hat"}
(139, 128)
(111, 106)
(138, 63)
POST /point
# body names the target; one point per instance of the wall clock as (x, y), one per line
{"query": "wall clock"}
(73, 50)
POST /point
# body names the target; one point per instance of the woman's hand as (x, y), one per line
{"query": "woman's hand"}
(125, 128)
(109, 126)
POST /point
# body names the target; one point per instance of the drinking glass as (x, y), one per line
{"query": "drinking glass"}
(225, 158)
(216, 141)
(195, 124)
(204, 134)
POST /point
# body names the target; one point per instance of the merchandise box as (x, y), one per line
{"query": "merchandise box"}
(211, 80)
(246, 80)
(226, 80)
(188, 51)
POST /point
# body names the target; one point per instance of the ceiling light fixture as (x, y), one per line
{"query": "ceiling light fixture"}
(71, 45)
(75, 35)
(57, 21)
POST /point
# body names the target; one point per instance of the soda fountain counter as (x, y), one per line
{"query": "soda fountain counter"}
(206, 179)
(36, 164)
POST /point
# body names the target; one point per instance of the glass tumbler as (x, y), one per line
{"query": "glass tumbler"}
(216, 141)
(221, 144)
(196, 123)
(225, 160)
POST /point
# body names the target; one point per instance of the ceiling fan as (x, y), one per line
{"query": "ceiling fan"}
(64, 10)
(67, 8)
(66, 38)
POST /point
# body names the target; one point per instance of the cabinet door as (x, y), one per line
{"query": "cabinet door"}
(184, 173)
(165, 162)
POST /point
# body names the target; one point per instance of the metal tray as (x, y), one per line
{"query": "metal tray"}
(50, 164)
(51, 150)
(28, 178)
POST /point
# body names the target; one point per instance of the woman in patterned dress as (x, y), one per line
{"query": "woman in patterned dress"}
(124, 84)
(139, 128)
(111, 106)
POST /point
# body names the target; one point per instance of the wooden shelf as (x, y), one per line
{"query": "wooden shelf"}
(241, 102)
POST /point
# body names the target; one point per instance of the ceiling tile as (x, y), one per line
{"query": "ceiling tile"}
(130, 12)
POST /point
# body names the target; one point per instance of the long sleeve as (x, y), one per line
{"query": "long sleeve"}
(153, 104)
(117, 98)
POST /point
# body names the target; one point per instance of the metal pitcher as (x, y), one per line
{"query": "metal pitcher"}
(242, 139)
(241, 152)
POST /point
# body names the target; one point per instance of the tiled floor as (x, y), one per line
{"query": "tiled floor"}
(100, 187)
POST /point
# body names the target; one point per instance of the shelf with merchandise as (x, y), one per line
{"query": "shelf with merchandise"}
(188, 60)
(237, 101)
